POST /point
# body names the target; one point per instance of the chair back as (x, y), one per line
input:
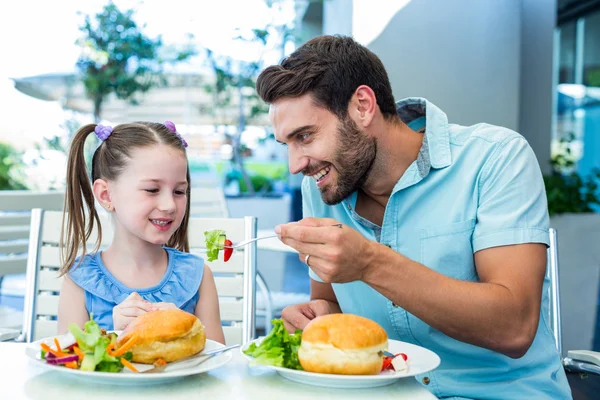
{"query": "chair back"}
(235, 280)
(553, 278)
(15, 216)
(42, 281)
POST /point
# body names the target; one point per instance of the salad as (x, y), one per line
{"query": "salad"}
(93, 350)
(278, 348)
(216, 240)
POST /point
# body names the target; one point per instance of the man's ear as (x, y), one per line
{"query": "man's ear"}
(363, 106)
(102, 194)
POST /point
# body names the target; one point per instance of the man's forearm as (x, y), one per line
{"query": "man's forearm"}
(482, 314)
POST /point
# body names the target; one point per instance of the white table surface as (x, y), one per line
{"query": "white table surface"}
(21, 379)
(272, 243)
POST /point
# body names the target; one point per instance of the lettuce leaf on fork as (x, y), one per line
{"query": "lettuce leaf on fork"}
(278, 348)
(215, 240)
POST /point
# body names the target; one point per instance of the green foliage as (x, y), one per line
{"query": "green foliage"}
(11, 173)
(118, 58)
(566, 190)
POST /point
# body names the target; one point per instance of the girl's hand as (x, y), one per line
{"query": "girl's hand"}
(131, 308)
(165, 306)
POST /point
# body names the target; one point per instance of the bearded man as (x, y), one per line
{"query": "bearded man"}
(444, 228)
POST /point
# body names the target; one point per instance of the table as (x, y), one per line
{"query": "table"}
(21, 379)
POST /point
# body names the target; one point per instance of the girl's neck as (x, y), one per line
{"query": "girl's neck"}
(134, 262)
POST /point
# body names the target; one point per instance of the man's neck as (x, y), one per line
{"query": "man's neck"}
(397, 148)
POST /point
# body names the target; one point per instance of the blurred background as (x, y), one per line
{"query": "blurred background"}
(529, 65)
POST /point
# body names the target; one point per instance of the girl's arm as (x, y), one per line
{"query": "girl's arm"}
(207, 308)
(71, 305)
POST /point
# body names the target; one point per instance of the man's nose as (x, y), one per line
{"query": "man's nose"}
(298, 161)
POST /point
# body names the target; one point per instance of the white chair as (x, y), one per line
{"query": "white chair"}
(15, 214)
(234, 279)
(209, 201)
(576, 360)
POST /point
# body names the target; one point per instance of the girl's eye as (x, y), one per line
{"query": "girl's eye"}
(180, 192)
(151, 190)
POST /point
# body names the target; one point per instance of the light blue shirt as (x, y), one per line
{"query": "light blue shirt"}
(470, 188)
(180, 285)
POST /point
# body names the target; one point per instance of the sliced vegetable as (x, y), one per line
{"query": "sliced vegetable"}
(62, 360)
(215, 240)
(227, 251)
(129, 365)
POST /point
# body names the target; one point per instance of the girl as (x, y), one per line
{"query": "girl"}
(140, 175)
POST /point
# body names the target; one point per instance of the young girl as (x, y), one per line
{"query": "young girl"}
(140, 175)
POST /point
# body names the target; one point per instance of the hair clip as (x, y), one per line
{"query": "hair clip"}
(171, 126)
(103, 132)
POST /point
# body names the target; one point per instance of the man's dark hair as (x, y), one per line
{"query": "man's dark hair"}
(330, 68)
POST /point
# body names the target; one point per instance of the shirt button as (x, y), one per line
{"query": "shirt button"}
(349, 207)
(426, 381)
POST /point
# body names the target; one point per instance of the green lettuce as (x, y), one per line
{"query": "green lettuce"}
(278, 348)
(215, 240)
(93, 343)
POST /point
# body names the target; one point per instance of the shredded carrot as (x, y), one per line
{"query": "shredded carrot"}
(159, 362)
(72, 365)
(57, 345)
(123, 349)
(47, 349)
(129, 365)
(110, 348)
(80, 353)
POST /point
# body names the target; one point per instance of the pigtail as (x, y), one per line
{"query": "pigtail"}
(80, 211)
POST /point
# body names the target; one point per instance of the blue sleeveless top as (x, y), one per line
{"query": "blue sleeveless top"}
(103, 291)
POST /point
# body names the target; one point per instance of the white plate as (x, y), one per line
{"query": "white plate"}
(420, 360)
(127, 377)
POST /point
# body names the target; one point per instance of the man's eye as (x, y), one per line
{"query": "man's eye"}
(151, 190)
(304, 136)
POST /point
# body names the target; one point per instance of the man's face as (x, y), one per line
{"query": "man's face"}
(336, 153)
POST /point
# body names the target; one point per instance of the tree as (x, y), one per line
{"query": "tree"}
(118, 58)
(11, 173)
(235, 82)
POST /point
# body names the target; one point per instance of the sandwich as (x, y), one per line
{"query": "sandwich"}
(164, 334)
(342, 344)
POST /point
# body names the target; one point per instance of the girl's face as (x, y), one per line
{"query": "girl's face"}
(150, 195)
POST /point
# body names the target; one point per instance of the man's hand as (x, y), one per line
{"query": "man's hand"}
(297, 316)
(131, 308)
(337, 255)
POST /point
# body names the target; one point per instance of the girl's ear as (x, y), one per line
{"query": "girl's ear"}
(102, 194)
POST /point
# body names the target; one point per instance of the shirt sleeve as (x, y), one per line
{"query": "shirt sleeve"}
(512, 199)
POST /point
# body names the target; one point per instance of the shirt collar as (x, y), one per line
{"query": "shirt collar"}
(417, 112)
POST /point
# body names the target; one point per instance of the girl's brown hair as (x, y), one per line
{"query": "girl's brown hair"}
(109, 160)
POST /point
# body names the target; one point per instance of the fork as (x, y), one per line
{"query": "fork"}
(209, 354)
(245, 242)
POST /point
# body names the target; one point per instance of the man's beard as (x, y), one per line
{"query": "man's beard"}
(353, 160)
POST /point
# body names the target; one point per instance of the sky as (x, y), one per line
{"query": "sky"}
(39, 37)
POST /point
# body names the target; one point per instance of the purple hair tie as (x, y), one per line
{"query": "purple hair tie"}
(171, 126)
(103, 132)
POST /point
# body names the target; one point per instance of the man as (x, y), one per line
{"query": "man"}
(444, 227)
